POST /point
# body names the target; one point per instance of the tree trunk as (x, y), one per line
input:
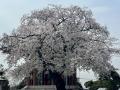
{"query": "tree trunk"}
(58, 80)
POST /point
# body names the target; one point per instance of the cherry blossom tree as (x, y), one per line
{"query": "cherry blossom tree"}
(59, 39)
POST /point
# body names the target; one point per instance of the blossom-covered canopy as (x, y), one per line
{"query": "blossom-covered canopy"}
(61, 39)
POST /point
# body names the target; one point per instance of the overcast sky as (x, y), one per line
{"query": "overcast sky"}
(106, 12)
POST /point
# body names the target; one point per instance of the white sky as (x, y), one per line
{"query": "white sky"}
(106, 12)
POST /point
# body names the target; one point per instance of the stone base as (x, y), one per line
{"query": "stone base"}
(48, 87)
(43, 87)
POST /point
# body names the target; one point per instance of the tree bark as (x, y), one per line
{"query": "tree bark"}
(58, 80)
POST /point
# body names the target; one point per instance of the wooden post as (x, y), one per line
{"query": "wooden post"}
(33, 78)
(34, 74)
(0, 87)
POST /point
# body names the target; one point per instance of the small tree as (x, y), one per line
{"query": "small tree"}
(59, 39)
(111, 82)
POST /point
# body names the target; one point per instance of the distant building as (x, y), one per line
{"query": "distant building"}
(4, 84)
